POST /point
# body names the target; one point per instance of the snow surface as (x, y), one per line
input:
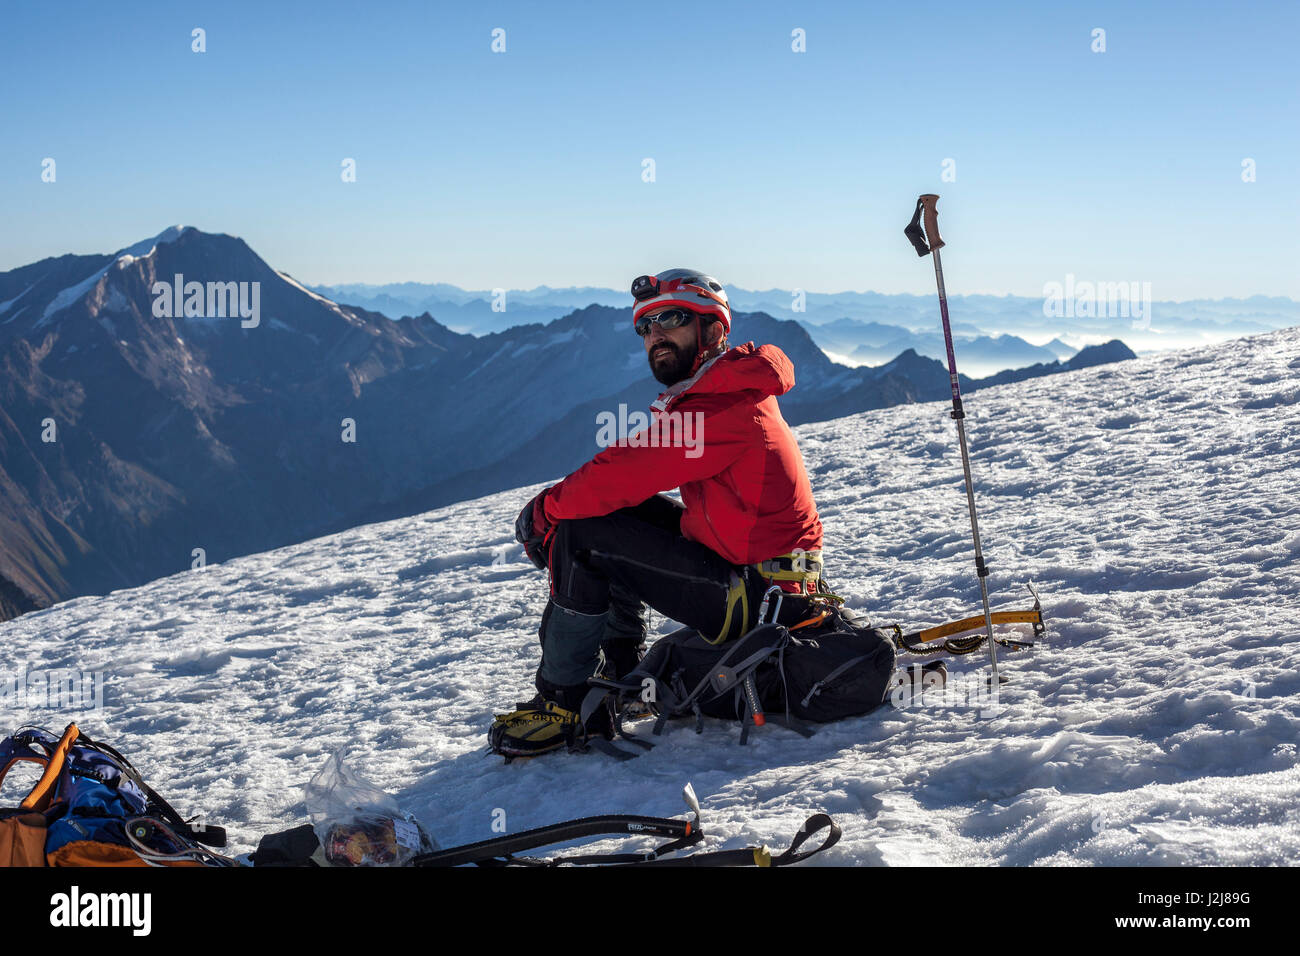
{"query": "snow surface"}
(1153, 501)
(6, 306)
(71, 294)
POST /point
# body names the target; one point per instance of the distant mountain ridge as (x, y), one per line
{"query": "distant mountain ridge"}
(830, 317)
(1112, 351)
(137, 439)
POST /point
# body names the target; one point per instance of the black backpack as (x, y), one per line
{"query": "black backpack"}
(839, 670)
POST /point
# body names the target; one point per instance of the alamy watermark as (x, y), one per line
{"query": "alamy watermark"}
(1094, 300)
(975, 690)
(636, 430)
(210, 300)
(62, 689)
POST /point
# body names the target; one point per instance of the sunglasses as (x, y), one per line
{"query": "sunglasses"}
(668, 319)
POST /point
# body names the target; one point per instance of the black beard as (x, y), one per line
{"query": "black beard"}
(673, 369)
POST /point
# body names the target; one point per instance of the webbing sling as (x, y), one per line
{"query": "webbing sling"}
(762, 856)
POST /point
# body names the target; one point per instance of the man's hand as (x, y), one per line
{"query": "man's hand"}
(533, 530)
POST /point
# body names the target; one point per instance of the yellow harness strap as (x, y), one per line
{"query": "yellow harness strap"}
(738, 595)
(801, 566)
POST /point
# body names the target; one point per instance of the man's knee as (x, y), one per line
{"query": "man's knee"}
(573, 535)
(657, 510)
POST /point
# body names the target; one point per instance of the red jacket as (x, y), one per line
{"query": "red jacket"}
(742, 477)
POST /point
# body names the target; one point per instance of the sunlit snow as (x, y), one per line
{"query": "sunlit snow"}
(1155, 502)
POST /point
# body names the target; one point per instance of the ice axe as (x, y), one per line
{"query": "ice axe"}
(929, 242)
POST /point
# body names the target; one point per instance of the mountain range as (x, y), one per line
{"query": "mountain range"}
(143, 431)
(882, 324)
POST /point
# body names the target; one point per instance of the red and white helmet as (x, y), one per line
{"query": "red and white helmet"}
(687, 288)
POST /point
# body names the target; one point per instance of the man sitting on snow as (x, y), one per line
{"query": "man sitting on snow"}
(613, 545)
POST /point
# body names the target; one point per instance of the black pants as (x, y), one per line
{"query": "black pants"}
(637, 556)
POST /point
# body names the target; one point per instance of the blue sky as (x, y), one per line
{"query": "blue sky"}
(773, 168)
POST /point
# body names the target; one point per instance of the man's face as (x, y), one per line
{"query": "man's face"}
(671, 352)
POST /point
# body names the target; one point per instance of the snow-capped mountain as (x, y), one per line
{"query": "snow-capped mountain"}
(1152, 501)
(132, 432)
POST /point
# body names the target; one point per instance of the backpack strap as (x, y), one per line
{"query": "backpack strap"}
(727, 675)
(18, 748)
(42, 794)
(207, 835)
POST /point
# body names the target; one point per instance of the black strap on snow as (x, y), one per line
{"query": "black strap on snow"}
(601, 745)
(814, 824)
(760, 855)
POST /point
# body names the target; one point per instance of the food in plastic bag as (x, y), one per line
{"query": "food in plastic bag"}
(357, 823)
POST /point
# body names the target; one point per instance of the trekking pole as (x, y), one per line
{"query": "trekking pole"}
(926, 204)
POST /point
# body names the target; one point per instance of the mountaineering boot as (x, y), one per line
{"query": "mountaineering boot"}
(533, 728)
(549, 721)
(571, 644)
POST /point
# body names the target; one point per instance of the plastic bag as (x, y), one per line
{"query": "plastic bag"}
(357, 823)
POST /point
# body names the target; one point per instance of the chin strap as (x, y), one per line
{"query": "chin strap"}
(699, 347)
(702, 355)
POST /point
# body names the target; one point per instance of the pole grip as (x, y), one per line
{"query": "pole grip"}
(930, 202)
